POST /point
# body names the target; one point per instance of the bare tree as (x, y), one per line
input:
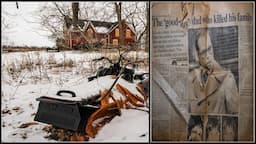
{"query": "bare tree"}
(147, 28)
(51, 17)
(7, 25)
(75, 9)
(118, 7)
(136, 14)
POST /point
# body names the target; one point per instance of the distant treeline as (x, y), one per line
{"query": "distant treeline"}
(5, 48)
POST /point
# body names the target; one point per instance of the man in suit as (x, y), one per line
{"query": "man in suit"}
(212, 88)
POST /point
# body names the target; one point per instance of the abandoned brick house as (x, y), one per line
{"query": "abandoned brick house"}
(107, 33)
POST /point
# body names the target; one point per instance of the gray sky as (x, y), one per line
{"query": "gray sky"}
(23, 32)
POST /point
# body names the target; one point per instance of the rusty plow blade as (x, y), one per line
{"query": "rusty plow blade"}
(132, 98)
(109, 110)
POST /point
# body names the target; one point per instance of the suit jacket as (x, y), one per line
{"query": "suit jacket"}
(219, 95)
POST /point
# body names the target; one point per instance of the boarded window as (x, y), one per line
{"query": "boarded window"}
(115, 41)
(90, 33)
(117, 32)
(128, 33)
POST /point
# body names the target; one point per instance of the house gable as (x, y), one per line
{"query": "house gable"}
(125, 25)
(90, 31)
(103, 32)
(129, 34)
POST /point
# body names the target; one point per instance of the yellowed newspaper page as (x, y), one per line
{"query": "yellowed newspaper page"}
(202, 71)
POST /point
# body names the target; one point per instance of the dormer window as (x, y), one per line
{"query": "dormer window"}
(117, 32)
(128, 33)
(90, 33)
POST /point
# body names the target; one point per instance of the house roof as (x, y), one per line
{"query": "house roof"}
(101, 29)
(87, 25)
(101, 23)
(117, 26)
(98, 26)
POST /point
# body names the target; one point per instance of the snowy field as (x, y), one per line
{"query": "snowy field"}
(29, 75)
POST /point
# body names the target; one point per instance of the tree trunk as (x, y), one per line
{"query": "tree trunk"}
(147, 28)
(119, 18)
(75, 9)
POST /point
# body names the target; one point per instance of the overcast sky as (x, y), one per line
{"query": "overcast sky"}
(23, 32)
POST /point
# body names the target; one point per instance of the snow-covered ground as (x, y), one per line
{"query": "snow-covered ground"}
(29, 75)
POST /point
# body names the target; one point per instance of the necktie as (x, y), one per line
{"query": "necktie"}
(204, 76)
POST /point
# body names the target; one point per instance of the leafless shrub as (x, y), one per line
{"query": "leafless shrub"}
(51, 60)
(39, 59)
(13, 71)
(68, 63)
